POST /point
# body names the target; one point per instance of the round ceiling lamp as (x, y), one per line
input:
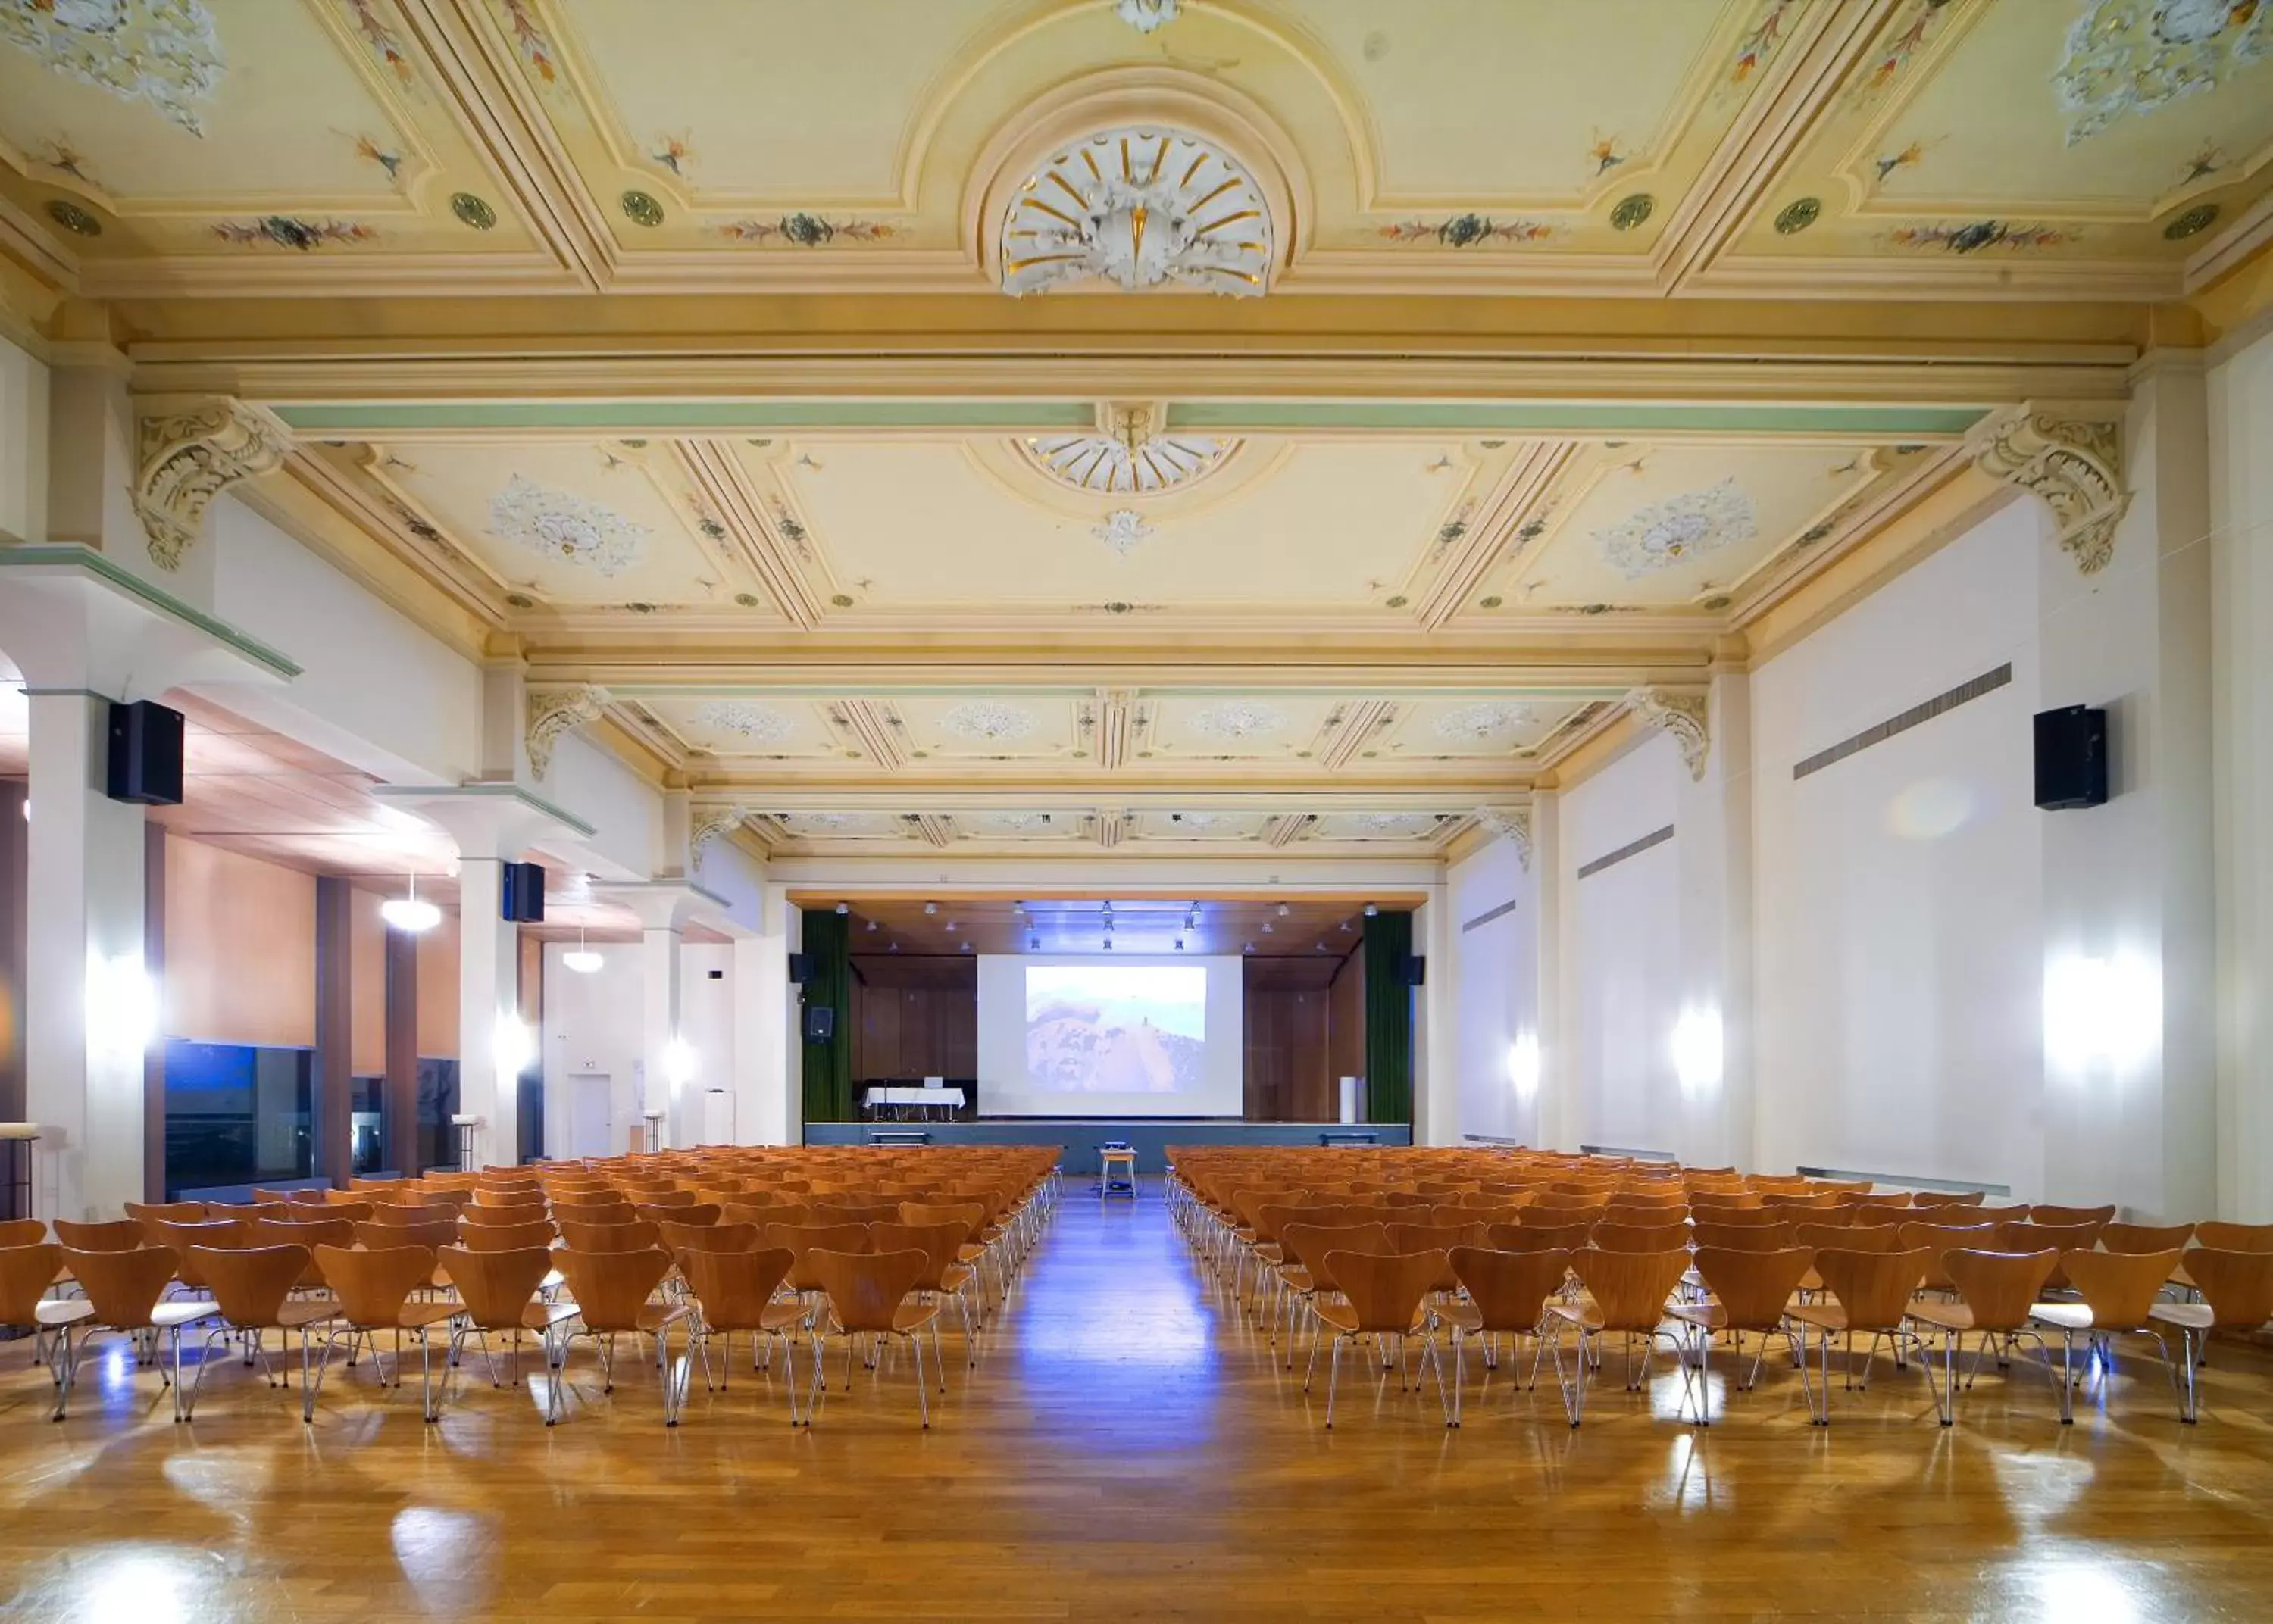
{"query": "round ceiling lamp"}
(580, 958)
(409, 912)
(1138, 209)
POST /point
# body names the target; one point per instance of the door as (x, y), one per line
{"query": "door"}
(591, 1128)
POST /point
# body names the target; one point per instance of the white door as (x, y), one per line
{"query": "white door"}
(591, 1114)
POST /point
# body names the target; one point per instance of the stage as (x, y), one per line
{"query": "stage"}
(1078, 1138)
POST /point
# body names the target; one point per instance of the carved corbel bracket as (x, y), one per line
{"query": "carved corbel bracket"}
(1682, 713)
(190, 454)
(1510, 823)
(554, 711)
(2075, 464)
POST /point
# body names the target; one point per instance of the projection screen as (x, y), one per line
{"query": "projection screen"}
(1109, 1035)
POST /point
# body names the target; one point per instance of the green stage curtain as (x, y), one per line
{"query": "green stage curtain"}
(1388, 942)
(829, 1066)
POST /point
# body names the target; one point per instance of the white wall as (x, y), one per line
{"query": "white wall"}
(1898, 924)
(2240, 437)
(1495, 988)
(375, 690)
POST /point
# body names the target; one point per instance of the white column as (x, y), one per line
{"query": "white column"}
(91, 1009)
(761, 1002)
(1561, 1081)
(1435, 1048)
(492, 1041)
(666, 1084)
(1713, 818)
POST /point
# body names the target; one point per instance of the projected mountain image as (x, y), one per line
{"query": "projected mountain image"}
(1103, 1028)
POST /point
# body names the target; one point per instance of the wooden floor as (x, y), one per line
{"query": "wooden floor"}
(1129, 1450)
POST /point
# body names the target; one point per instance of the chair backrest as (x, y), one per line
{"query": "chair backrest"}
(249, 1285)
(1629, 1287)
(108, 1235)
(2000, 1287)
(611, 1287)
(22, 1232)
(185, 1238)
(1509, 1289)
(1754, 1285)
(1849, 1237)
(864, 1288)
(735, 1287)
(939, 1242)
(373, 1286)
(1741, 1237)
(1874, 1287)
(2027, 1237)
(1537, 1235)
(325, 1231)
(2212, 1232)
(1609, 1236)
(663, 1198)
(495, 1287)
(2044, 1213)
(2119, 1287)
(124, 1284)
(409, 1214)
(1437, 1236)
(1948, 1198)
(686, 1214)
(499, 1216)
(508, 1195)
(637, 1235)
(433, 1232)
(678, 1239)
(971, 1215)
(502, 1237)
(2237, 1286)
(1310, 1243)
(801, 1240)
(26, 1271)
(1384, 1289)
(2145, 1236)
(170, 1212)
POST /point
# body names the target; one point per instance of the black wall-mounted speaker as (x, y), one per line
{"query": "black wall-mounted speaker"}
(145, 754)
(2070, 757)
(1414, 971)
(819, 1023)
(801, 968)
(520, 893)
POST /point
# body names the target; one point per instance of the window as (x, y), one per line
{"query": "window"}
(237, 1115)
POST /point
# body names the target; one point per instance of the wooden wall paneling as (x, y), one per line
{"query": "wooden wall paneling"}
(367, 972)
(240, 946)
(438, 988)
(918, 1016)
(1345, 1031)
(1285, 1041)
(335, 1025)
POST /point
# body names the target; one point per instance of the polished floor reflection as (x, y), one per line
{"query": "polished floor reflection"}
(1129, 1449)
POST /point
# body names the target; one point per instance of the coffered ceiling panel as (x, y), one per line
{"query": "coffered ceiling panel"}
(936, 527)
(974, 724)
(1469, 727)
(1986, 140)
(1637, 527)
(557, 524)
(731, 728)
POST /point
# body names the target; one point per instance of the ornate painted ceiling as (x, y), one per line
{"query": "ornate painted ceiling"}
(1209, 428)
(1803, 148)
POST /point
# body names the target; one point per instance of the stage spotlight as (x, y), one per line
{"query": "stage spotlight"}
(1108, 944)
(1370, 910)
(1283, 910)
(1033, 944)
(1179, 944)
(931, 907)
(843, 908)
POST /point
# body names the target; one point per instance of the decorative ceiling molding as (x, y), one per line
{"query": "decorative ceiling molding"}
(2074, 463)
(1360, 721)
(1682, 713)
(720, 477)
(876, 726)
(707, 823)
(1141, 208)
(1115, 725)
(190, 454)
(1513, 824)
(1127, 453)
(1528, 482)
(553, 711)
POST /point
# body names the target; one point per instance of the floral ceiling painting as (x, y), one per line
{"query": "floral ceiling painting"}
(1679, 529)
(164, 52)
(565, 528)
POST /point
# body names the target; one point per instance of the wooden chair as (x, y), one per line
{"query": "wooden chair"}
(1750, 1289)
(497, 1290)
(252, 1295)
(166, 1212)
(501, 1237)
(865, 1295)
(1381, 1294)
(639, 1235)
(2044, 1213)
(374, 1289)
(945, 1277)
(1848, 1238)
(22, 1232)
(1507, 1294)
(2120, 1291)
(1741, 1237)
(734, 1292)
(185, 1236)
(686, 1214)
(27, 1271)
(2236, 1296)
(1925, 1199)
(680, 1238)
(1996, 1292)
(611, 1290)
(1872, 1292)
(1609, 1236)
(2062, 1238)
(1530, 1235)
(1307, 1279)
(500, 1217)
(321, 1231)
(124, 1284)
(1625, 1294)
(1939, 1239)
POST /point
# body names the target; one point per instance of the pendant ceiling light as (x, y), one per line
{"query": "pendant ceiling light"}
(407, 912)
(580, 958)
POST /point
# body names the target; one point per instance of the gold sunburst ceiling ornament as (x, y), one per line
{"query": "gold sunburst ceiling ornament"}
(1138, 209)
(1126, 454)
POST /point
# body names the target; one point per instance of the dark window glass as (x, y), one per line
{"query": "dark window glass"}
(367, 1137)
(237, 1115)
(437, 1103)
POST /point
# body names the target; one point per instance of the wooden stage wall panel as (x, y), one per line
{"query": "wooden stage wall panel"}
(914, 1016)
